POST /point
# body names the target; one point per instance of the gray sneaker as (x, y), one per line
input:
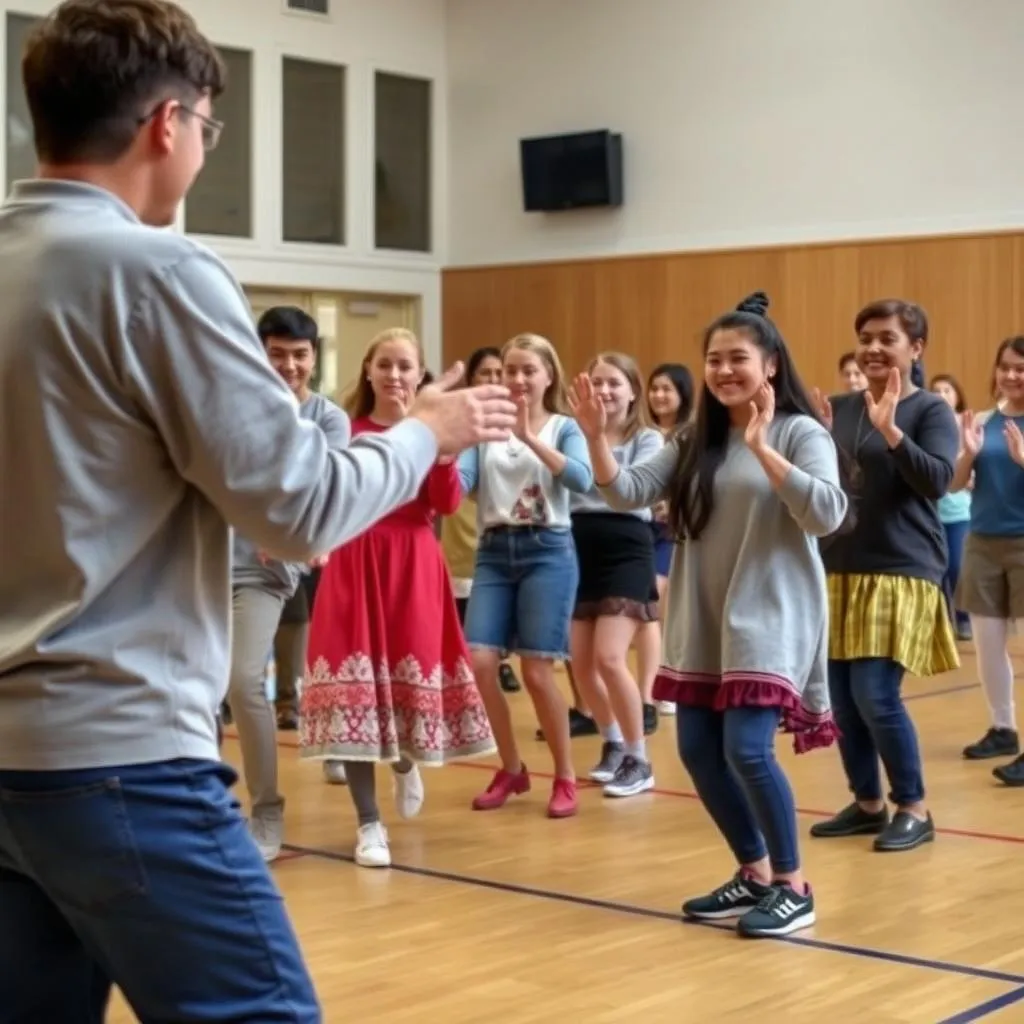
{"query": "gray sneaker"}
(633, 776)
(611, 757)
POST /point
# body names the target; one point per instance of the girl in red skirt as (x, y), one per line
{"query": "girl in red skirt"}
(389, 677)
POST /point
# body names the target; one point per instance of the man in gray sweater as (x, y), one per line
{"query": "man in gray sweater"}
(140, 419)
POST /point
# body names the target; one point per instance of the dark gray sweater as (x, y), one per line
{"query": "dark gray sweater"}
(898, 532)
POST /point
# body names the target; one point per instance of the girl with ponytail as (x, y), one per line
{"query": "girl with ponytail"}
(750, 488)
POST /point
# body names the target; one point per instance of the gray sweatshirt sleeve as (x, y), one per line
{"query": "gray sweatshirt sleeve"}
(644, 483)
(336, 426)
(232, 429)
(811, 491)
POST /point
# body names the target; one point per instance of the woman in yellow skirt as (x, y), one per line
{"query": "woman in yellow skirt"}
(888, 610)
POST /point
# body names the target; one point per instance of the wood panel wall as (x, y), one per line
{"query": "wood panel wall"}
(655, 307)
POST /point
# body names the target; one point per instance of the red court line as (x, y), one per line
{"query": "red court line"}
(963, 833)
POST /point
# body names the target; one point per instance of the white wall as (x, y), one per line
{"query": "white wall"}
(402, 36)
(745, 122)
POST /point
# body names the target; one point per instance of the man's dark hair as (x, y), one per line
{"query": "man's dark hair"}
(289, 323)
(95, 70)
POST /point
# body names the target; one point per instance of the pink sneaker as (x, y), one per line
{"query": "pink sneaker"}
(503, 785)
(563, 799)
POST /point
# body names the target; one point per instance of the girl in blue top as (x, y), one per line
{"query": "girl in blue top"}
(991, 585)
(524, 586)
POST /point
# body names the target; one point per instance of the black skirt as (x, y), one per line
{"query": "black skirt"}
(615, 552)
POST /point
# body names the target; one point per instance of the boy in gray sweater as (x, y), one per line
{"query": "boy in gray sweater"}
(141, 417)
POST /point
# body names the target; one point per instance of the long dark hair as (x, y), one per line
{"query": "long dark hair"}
(702, 448)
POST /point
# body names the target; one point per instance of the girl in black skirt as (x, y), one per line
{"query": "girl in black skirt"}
(617, 591)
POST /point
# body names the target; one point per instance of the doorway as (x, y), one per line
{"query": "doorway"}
(348, 322)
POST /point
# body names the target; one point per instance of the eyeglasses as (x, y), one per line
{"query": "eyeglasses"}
(210, 126)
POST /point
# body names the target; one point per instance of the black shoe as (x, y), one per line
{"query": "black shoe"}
(782, 912)
(905, 832)
(579, 725)
(851, 821)
(1011, 774)
(650, 719)
(734, 899)
(225, 713)
(995, 743)
(507, 678)
(287, 720)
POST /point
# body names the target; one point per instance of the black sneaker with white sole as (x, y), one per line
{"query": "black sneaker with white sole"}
(611, 757)
(737, 897)
(632, 777)
(782, 912)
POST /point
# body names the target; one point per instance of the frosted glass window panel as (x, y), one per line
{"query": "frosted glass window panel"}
(313, 152)
(402, 166)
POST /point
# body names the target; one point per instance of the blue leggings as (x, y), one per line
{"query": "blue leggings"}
(730, 756)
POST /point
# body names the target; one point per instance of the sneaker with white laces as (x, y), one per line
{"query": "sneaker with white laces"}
(372, 849)
(409, 792)
(268, 835)
(334, 773)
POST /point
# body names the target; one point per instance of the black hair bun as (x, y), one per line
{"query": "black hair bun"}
(756, 303)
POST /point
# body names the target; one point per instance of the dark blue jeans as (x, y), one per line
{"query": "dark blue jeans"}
(956, 534)
(730, 756)
(144, 877)
(873, 722)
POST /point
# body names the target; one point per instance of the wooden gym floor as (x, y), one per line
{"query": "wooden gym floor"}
(508, 918)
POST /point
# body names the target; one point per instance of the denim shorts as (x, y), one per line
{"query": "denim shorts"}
(524, 589)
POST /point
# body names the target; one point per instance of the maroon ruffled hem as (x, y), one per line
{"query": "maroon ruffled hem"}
(748, 690)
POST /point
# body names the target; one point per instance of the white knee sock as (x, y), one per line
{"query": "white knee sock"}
(995, 669)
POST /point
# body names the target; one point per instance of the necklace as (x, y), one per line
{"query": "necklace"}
(859, 440)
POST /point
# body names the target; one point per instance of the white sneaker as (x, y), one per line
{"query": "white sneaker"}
(666, 707)
(268, 835)
(334, 773)
(409, 792)
(372, 850)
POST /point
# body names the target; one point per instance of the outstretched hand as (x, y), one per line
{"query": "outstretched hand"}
(1015, 442)
(587, 409)
(882, 413)
(972, 433)
(762, 412)
(465, 417)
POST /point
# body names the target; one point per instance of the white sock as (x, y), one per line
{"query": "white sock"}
(613, 734)
(995, 668)
(637, 750)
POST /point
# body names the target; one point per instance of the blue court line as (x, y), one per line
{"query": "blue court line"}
(989, 1006)
(666, 915)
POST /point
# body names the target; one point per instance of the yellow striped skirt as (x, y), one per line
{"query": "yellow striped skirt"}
(894, 617)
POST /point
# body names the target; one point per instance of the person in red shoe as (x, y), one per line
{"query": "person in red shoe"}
(389, 678)
(524, 586)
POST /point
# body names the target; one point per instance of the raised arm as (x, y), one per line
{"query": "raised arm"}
(927, 461)
(444, 489)
(232, 429)
(576, 474)
(638, 486)
(807, 472)
(469, 469)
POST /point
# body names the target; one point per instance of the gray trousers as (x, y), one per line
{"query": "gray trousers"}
(255, 615)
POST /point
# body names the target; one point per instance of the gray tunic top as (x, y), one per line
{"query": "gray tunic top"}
(747, 620)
